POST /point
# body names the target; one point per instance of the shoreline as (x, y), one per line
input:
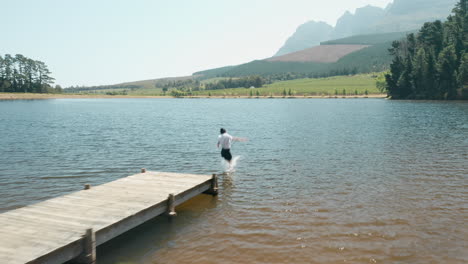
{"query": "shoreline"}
(34, 96)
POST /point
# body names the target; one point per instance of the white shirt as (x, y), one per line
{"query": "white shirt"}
(225, 140)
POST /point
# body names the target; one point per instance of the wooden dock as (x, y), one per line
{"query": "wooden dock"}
(71, 226)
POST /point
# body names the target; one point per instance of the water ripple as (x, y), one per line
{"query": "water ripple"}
(320, 181)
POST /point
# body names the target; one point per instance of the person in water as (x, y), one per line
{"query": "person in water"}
(225, 141)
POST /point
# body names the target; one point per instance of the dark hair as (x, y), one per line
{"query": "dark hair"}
(222, 130)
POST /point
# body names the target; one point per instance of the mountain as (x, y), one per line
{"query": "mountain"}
(404, 15)
(409, 7)
(401, 15)
(307, 35)
(349, 24)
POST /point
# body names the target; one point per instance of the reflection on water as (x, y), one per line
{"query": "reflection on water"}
(320, 181)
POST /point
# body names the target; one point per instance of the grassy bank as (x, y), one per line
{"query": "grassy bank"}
(362, 85)
(34, 96)
(30, 96)
(338, 85)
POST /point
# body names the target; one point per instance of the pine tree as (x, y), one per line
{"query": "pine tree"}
(21, 74)
(411, 45)
(431, 36)
(405, 83)
(447, 72)
(430, 82)
(419, 74)
(462, 78)
(396, 69)
(432, 64)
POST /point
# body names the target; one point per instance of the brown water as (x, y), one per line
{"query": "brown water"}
(320, 181)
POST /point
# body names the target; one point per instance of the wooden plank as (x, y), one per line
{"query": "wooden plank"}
(72, 202)
(51, 231)
(153, 184)
(187, 195)
(125, 199)
(172, 174)
(149, 187)
(160, 188)
(122, 206)
(145, 215)
(46, 242)
(45, 220)
(154, 176)
(57, 213)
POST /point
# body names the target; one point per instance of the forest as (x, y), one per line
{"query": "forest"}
(20, 74)
(433, 63)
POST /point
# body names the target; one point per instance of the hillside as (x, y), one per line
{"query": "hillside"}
(213, 72)
(264, 68)
(363, 59)
(154, 82)
(145, 84)
(374, 58)
(368, 39)
(322, 54)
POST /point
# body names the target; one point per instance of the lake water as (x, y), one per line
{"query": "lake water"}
(319, 181)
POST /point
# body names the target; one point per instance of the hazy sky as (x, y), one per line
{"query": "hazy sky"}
(93, 42)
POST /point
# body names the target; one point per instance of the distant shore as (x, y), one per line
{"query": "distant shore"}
(31, 96)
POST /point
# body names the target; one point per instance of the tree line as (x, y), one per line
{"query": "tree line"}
(287, 76)
(432, 64)
(20, 74)
(244, 82)
(187, 87)
(188, 83)
(183, 87)
(77, 89)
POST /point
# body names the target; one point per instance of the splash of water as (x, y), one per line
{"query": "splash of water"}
(230, 167)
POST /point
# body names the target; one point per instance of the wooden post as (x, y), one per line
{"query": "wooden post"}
(88, 256)
(143, 170)
(214, 185)
(171, 205)
(87, 186)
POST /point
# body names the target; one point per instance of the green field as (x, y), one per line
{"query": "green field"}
(350, 85)
(307, 87)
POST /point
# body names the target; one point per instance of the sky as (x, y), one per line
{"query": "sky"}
(99, 42)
